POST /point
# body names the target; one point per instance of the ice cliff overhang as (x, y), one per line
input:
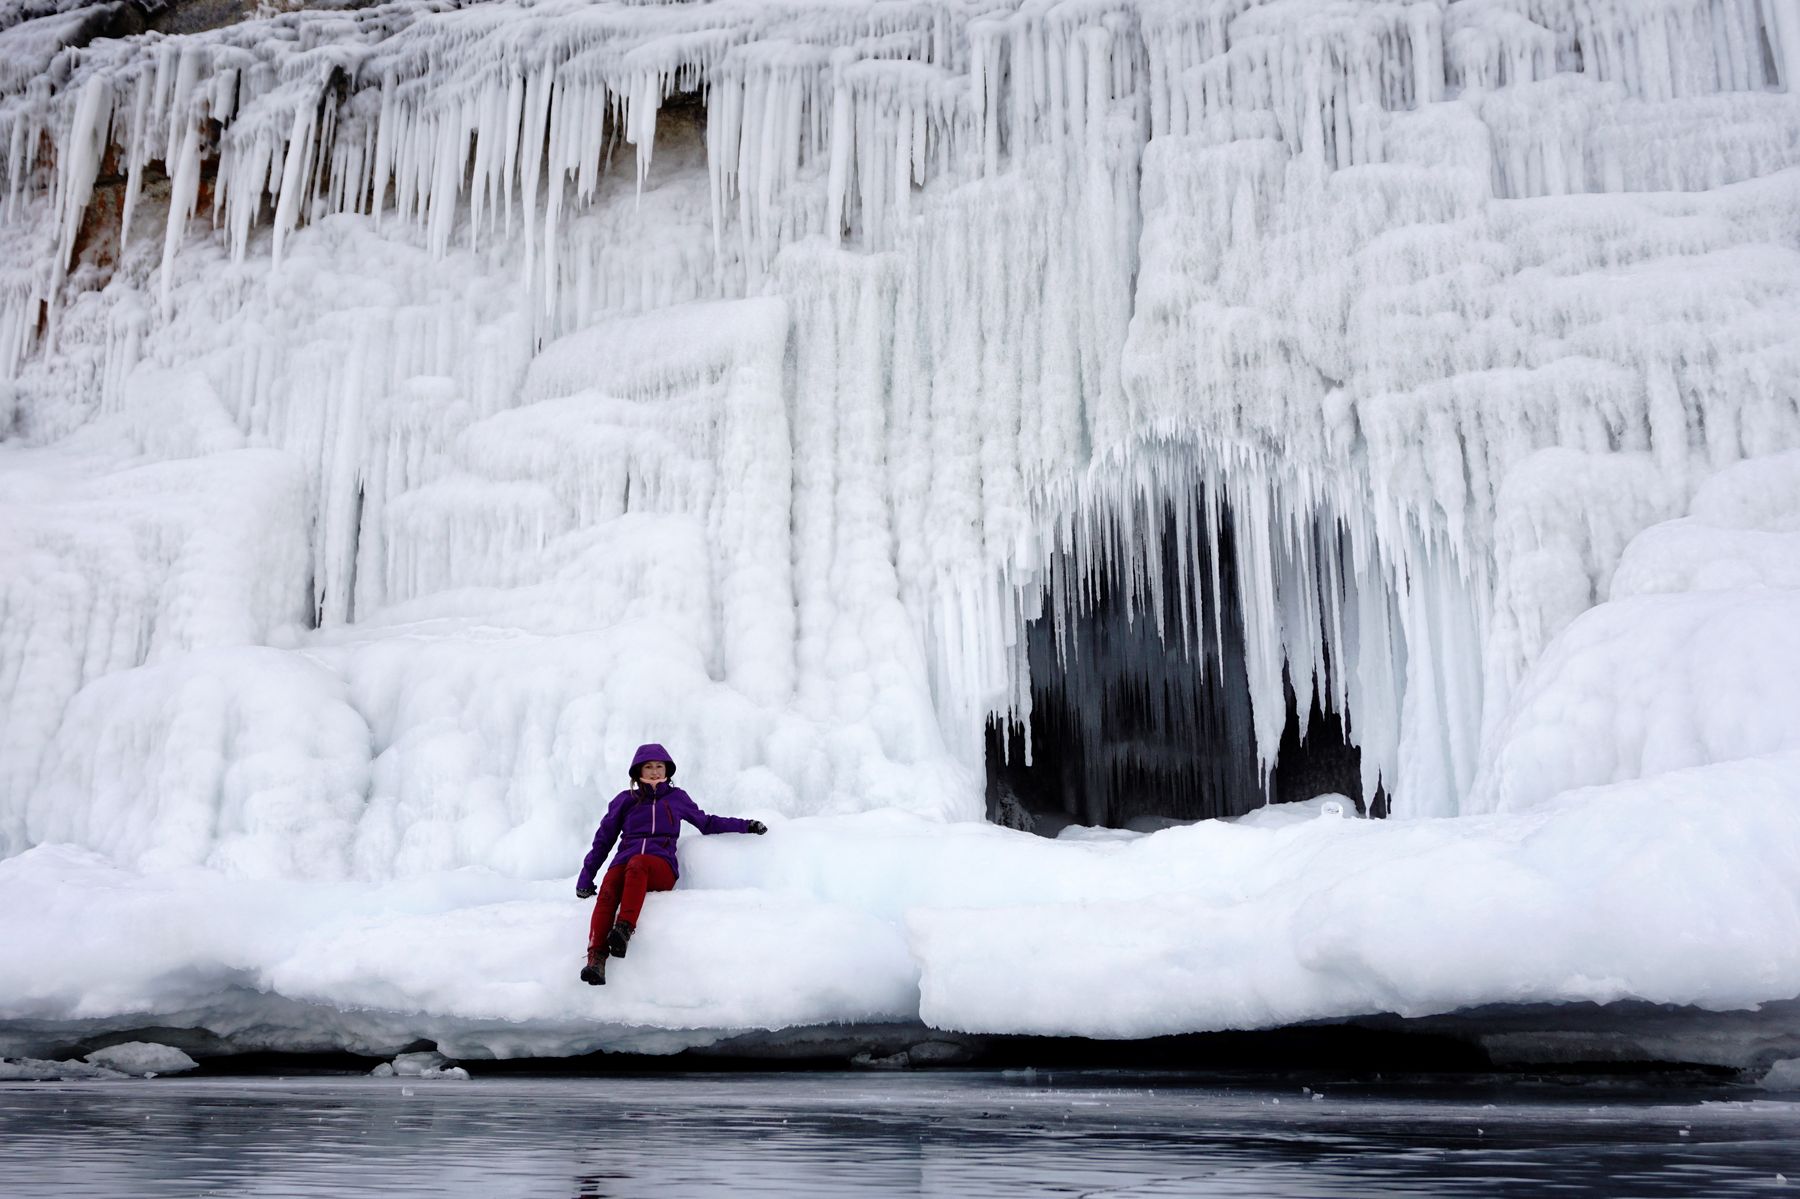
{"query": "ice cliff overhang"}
(410, 408)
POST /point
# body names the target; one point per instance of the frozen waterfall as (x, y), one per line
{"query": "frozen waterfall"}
(408, 408)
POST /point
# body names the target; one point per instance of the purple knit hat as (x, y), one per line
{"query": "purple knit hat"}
(651, 753)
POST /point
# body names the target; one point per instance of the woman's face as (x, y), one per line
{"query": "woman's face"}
(653, 772)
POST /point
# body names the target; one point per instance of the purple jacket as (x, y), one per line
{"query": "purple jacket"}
(650, 825)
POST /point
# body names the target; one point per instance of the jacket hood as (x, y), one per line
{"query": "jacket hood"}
(650, 753)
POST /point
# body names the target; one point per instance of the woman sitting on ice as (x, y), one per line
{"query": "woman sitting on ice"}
(645, 819)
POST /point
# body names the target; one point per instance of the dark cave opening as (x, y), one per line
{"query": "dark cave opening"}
(1135, 727)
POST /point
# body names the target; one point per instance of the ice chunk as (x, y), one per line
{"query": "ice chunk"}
(142, 1057)
(28, 1069)
(414, 1065)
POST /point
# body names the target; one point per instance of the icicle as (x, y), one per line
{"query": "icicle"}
(837, 189)
(1781, 20)
(640, 122)
(381, 166)
(134, 169)
(293, 175)
(449, 156)
(482, 189)
(85, 144)
(537, 110)
(187, 71)
(184, 190)
(509, 160)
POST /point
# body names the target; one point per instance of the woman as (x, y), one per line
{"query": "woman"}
(645, 819)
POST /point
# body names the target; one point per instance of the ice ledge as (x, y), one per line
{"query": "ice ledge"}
(1679, 891)
(1578, 1038)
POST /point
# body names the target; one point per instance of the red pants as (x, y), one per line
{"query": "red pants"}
(622, 891)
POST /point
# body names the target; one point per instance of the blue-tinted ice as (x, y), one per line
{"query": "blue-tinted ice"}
(949, 1134)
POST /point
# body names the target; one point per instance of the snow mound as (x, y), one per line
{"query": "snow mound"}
(1694, 661)
(1583, 899)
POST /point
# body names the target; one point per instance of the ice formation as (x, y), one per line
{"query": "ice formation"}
(144, 1058)
(427, 1065)
(410, 408)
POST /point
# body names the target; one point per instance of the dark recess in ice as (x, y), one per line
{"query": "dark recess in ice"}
(1131, 725)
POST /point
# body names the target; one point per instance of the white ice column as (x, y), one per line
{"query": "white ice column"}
(1441, 718)
(752, 540)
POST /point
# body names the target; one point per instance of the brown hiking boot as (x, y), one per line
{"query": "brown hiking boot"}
(594, 973)
(618, 939)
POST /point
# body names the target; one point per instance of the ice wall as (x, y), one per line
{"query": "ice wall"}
(746, 374)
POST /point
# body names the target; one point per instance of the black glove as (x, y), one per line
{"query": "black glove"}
(755, 826)
(584, 892)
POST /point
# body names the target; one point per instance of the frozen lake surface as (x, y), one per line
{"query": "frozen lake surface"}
(951, 1134)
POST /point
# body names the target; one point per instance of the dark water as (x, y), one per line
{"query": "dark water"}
(950, 1134)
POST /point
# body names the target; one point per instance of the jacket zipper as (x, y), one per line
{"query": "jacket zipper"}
(644, 842)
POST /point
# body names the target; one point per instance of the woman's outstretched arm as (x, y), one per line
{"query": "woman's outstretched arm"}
(688, 810)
